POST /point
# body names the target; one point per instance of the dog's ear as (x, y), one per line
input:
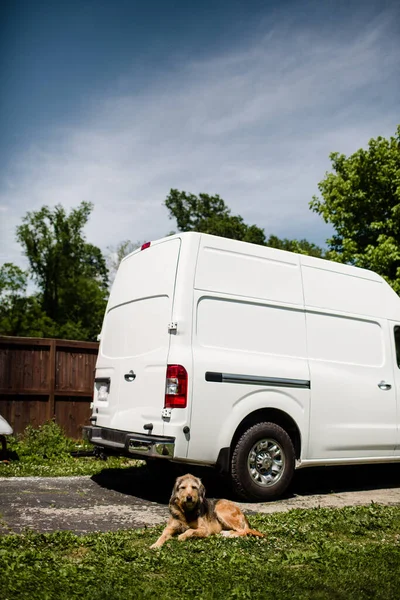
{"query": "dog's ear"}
(202, 492)
(175, 489)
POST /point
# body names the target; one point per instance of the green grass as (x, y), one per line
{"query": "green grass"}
(64, 467)
(349, 553)
(47, 452)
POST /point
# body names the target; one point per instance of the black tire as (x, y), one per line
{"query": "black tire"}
(263, 462)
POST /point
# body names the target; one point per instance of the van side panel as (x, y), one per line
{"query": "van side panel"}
(343, 288)
(249, 341)
(327, 288)
(252, 272)
(353, 412)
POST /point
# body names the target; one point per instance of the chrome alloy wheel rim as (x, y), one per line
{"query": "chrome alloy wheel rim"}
(266, 462)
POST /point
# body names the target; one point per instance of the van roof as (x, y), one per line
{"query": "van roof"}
(391, 299)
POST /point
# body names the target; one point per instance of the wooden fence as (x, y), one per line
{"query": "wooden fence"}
(43, 379)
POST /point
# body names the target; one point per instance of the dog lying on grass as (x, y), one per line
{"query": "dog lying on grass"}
(192, 515)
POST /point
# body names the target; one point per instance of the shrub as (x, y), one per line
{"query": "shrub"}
(46, 451)
(47, 441)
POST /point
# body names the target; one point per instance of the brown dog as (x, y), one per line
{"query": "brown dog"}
(192, 515)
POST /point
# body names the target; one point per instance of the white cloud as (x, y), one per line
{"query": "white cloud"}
(255, 125)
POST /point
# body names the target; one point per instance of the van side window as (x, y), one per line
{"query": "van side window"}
(397, 343)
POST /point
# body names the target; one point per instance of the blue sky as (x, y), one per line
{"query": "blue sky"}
(117, 101)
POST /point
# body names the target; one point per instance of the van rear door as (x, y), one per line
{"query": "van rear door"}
(135, 341)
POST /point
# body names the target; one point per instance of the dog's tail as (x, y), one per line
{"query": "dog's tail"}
(254, 532)
(250, 531)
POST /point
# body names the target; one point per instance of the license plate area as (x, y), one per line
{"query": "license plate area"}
(102, 389)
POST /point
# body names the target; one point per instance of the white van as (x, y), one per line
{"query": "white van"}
(251, 359)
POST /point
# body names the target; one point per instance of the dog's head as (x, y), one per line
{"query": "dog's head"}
(188, 492)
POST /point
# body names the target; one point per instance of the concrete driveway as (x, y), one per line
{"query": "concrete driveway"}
(134, 498)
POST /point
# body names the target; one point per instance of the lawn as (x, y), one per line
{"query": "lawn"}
(320, 553)
(47, 452)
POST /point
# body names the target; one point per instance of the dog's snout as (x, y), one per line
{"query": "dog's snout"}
(189, 498)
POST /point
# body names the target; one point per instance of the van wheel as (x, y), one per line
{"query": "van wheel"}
(263, 462)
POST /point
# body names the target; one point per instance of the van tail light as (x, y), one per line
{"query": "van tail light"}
(176, 387)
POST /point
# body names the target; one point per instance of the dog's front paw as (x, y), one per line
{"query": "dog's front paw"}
(155, 546)
(183, 536)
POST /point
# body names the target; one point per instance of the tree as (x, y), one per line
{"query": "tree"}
(361, 199)
(71, 274)
(209, 214)
(13, 284)
(299, 246)
(21, 314)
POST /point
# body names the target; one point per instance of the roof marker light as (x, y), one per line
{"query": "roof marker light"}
(146, 245)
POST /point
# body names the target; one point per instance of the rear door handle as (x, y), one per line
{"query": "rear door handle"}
(384, 386)
(130, 376)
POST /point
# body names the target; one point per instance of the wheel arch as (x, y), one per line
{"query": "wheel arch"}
(270, 415)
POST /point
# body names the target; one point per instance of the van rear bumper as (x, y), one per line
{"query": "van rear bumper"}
(128, 442)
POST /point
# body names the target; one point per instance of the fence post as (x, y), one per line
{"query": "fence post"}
(52, 382)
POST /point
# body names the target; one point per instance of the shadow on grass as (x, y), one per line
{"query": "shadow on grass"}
(154, 482)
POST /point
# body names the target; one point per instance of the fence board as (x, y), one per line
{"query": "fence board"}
(73, 413)
(42, 379)
(21, 411)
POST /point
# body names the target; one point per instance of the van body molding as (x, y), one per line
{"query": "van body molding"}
(257, 380)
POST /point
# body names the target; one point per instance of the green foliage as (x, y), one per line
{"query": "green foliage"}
(192, 212)
(361, 199)
(66, 465)
(45, 451)
(46, 441)
(349, 553)
(13, 301)
(299, 246)
(209, 214)
(20, 314)
(71, 276)
(13, 281)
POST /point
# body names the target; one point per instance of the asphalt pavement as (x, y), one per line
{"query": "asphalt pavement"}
(136, 498)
